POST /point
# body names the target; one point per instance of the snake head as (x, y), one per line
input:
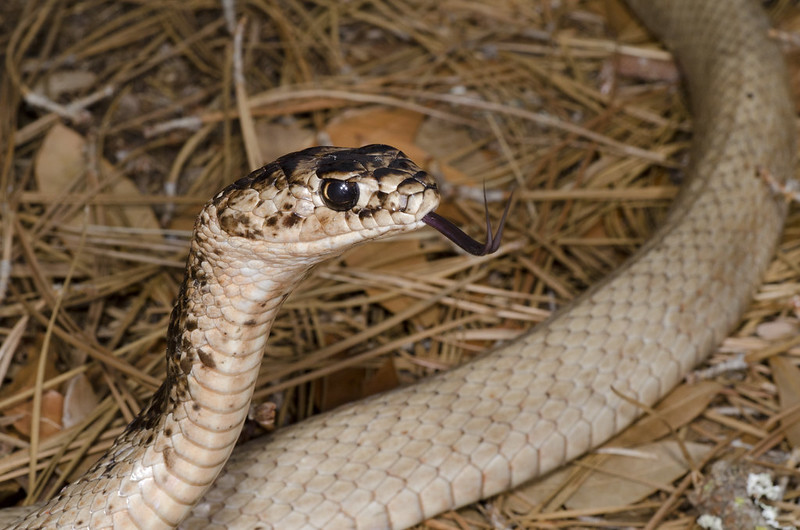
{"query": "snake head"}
(319, 201)
(322, 200)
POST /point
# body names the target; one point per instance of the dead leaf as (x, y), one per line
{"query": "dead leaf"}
(787, 379)
(61, 161)
(79, 400)
(778, 329)
(621, 21)
(25, 378)
(680, 407)
(441, 139)
(342, 386)
(276, 139)
(50, 420)
(379, 125)
(383, 380)
(632, 478)
(66, 82)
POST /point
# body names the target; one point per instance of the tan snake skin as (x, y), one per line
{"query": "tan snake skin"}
(516, 413)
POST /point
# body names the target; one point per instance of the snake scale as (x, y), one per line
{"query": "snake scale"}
(512, 415)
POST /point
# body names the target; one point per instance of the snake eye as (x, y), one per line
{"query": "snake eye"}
(339, 195)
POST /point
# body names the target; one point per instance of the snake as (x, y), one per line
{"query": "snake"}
(515, 413)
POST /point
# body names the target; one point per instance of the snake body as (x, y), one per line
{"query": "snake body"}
(512, 415)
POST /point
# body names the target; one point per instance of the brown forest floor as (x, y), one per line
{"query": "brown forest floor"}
(119, 119)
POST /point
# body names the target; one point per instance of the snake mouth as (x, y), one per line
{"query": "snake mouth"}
(465, 242)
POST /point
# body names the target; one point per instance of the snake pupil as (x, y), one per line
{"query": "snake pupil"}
(339, 195)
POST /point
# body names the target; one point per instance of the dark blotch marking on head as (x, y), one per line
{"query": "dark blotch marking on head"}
(257, 175)
(411, 181)
(291, 162)
(250, 323)
(281, 182)
(289, 221)
(403, 164)
(341, 165)
(382, 172)
(265, 173)
(242, 183)
(423, 178)
(239, 224)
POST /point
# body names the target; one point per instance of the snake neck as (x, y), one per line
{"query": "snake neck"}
(169, 455)
(218, 329)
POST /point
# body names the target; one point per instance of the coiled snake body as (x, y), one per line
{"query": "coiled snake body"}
(514, 414)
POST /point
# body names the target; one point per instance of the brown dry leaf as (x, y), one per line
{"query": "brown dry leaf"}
(539, 491)
(79, 400)
(61, 160)
(50, 421)
(350, 384)
(789, 23)
(787, 379)
(383, 380)
(657, 464)
(66, 82)
(396, 127)
(632, 478)
(621, 21)
(793, 63)
(277, 139)
(680, 407)
(781, 329)
(379, 125)
(25, 377)
(340, 387)
(441, 139)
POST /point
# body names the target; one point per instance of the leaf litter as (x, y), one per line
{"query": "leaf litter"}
(121, 119)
